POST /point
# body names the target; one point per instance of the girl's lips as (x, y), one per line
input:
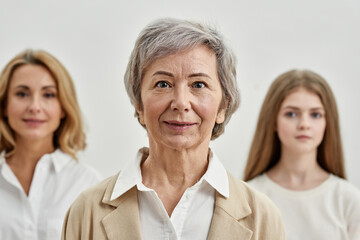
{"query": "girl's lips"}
(302, 137)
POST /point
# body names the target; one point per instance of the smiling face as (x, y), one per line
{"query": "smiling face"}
(32, 108)
(301, 122)
(181, 96)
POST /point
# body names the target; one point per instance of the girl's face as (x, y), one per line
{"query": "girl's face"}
(301, 122)
(33, 108)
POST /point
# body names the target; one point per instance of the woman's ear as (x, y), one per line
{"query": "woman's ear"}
(220, 117)
(141, 114)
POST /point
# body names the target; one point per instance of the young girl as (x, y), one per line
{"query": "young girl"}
(296, 159)
(40, 133)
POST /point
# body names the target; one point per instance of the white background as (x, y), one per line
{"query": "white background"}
(93, 39)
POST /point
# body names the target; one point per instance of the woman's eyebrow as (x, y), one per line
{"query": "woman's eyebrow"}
(171, 75)
(199, 75)
(28, 88)
(23, 86)
(48, 86)
(163, 73)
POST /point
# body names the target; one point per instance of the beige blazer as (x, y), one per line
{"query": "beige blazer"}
(246, 214)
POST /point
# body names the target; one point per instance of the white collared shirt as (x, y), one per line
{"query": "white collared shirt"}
(58, 179)
(192, 215)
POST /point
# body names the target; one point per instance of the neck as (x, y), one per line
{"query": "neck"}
(175, 167)
(169, 172)
(23, 161)
(28, 152)
(298, 171)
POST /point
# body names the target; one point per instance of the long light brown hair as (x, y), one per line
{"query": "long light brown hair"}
(69, 136)
(265, 149)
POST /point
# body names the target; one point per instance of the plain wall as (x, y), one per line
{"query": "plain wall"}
(93, 39)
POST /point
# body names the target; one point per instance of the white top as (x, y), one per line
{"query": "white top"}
(57, 181)
(191, 217)
(330, 211)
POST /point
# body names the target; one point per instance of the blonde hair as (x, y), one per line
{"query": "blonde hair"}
(265, 149)
(69, 136)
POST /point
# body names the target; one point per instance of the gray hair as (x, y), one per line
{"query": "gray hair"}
(167, 36)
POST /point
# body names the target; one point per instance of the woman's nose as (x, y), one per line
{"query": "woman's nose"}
(35, 104)
(181, 99)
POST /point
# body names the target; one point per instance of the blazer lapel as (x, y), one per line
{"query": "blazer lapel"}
(229, 213)
(124, 221)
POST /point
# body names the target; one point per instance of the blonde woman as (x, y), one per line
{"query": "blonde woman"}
(296, 158)
(40, 133)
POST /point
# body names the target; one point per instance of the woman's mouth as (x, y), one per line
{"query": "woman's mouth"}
(33, 122)
(179, 126)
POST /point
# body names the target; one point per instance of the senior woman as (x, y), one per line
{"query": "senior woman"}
(181, 80)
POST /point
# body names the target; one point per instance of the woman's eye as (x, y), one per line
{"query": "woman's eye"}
(290, 114)
(162, 84)
(199, 85)
(49, 95)
(21, 94)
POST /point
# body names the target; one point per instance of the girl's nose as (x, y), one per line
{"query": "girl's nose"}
(304, 122)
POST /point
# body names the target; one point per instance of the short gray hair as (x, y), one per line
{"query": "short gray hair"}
(167, 36)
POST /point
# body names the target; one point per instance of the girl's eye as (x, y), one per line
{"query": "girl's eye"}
(21, 94)
(290, 114)
(162, 84)
(199, 85)
(316, 115)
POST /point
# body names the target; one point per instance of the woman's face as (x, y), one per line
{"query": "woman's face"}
(181, 95)
(33, 108)
(301, 122)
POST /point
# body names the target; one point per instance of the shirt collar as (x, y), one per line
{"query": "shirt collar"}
(129, 177)
(2, 158)
(58, 158)
(215, 175)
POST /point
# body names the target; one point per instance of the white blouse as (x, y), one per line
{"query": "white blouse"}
(192, 215)
(329, 211)
(58, 179)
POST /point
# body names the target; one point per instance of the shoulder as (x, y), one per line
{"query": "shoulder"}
(343, 185)
(77, 168)
(256, 200)
(96, 193)
(87, 170)
(347, 195)
(348, 192)
(91, 201)
(82, 220)
(263, 218)
(258, 182)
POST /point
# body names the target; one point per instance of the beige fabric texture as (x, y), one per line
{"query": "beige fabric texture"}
(246, 214)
